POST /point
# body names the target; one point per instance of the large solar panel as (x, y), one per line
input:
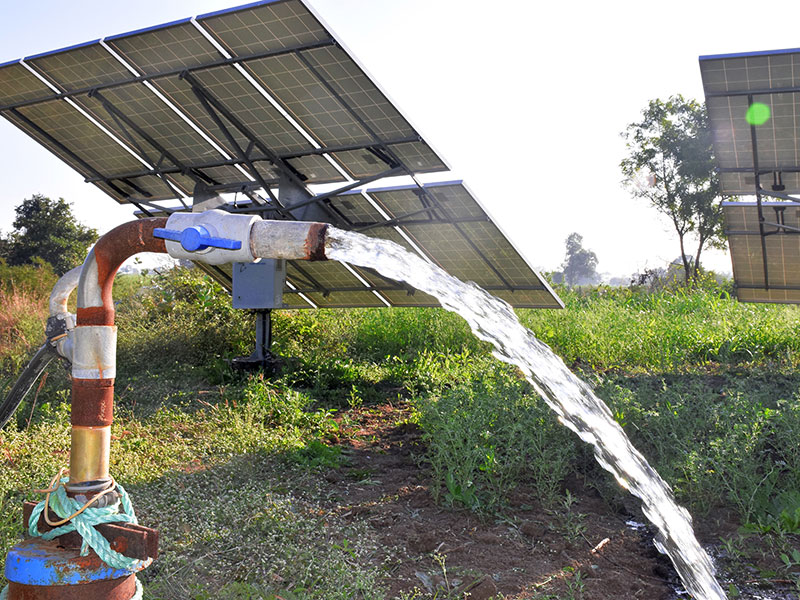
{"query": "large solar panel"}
(261, 101)
(753, 102)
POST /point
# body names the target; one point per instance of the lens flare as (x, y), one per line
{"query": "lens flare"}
(757, 113)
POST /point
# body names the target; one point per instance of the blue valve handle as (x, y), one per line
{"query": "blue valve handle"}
(196, 238)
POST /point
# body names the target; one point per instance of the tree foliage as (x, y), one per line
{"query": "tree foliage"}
(580, 264)
(671, 165)
(46, 229)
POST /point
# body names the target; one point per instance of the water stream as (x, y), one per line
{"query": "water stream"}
(494, 321)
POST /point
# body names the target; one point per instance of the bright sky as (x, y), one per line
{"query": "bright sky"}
(524, 99)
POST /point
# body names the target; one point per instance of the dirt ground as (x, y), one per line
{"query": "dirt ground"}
(525, 553)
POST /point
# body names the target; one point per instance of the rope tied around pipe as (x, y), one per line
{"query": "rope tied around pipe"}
(83, 518)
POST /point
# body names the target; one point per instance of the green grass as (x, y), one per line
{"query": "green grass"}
(228, 465)
(620, 328)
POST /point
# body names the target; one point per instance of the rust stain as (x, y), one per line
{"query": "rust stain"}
(113, 589)
(92, 402)
(111, 251)
(95, 315)
(134, 541)
(315, 242)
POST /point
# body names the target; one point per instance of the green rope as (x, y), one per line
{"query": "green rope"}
(84, 524)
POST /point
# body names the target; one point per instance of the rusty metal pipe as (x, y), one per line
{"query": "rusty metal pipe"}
(291, 240)
(94, 348)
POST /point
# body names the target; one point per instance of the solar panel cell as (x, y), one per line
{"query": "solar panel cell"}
(268, 27)
(260, 118)
(358, 92)
(81, 67)
(302, 93)
(315, 169)
(80, 136)
(18, 84)
(153, 52)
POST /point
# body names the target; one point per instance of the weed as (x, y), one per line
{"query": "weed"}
(489, 432)
(317, 454)
(706, 387)
(575, 584)
(571, 523)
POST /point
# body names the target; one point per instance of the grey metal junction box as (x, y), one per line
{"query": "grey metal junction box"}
(259, 285)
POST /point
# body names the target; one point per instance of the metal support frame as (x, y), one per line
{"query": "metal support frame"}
(167, 170)
(322, 197)
(211, 101)
(395, 161)
(757, 174)
(121, 118)
(261, 357)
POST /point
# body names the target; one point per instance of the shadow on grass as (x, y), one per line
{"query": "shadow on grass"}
(251, 527)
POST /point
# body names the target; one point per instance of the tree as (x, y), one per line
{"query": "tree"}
(580, 264)
(47, 229)
(671, 165)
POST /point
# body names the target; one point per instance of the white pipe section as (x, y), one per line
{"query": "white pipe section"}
(89, 292)
(61, 291)
(94, 353)
(291, 240)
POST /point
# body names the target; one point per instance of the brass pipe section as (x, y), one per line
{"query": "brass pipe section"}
(90, 453)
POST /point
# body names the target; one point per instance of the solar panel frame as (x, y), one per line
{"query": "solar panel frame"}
(185, 103)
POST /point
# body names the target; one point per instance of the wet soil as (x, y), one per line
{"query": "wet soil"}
(522, 552)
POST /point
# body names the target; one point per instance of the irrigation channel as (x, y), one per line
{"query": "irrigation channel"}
(494, 321)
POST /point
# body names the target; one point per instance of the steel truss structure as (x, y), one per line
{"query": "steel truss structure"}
(262, 102)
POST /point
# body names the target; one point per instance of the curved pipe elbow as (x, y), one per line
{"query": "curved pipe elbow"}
(62, 290)
(95, 304)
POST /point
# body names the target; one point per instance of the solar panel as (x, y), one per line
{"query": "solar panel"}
(734, 82)
(263, 102)
(753, 102)
(780, 247)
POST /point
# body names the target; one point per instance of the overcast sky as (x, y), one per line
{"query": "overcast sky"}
(525, 100)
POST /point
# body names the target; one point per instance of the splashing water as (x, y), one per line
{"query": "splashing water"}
(494, 321)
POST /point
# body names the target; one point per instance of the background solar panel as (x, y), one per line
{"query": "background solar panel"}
(762, 159)
(731, 83)
(747, 253)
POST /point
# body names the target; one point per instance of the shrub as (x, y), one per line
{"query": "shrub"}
(181, 316)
